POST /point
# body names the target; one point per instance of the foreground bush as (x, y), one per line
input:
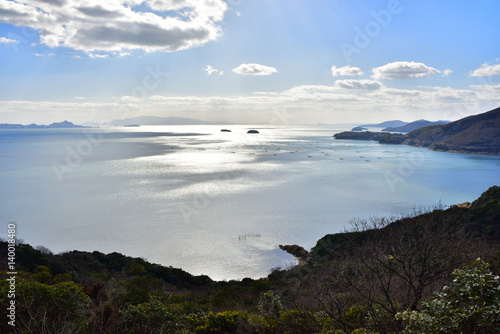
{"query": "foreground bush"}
(469, 305)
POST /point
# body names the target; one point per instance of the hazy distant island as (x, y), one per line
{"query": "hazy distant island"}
(413, 126)
(379, 276)
(60, 125)
(385, 124)
(399, 126)
(479, 134)
(359, 128)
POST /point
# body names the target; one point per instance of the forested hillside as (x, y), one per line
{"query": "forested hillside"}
(376, 277)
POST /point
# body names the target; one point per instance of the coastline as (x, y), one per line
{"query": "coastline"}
(390, 138)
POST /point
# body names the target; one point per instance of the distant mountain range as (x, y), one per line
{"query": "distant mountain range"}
(474, 134)
(154, 120)
(414, 126)
(142, 120)
(60, 125)
(400, 126)
(385, 124)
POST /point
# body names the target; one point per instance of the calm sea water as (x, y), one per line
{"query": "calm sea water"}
(211, 202)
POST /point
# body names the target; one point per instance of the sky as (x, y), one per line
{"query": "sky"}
(276, 62)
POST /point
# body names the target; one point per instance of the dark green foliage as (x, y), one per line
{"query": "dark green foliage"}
(149, 317)
(381, 137)
(388, 138)
(42, 308)
(486, 210)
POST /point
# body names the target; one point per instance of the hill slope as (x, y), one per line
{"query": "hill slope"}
(386, 124)
(473, 134)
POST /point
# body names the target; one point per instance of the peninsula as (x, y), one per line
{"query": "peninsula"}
(478, 134)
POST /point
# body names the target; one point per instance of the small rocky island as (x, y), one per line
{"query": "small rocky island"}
(252, 131)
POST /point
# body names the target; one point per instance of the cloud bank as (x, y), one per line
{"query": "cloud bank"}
(403, 70)
(108, 25)
(358, 84)
(254, 69)
(346, 101)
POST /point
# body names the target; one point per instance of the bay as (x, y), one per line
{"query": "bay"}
(211, 202)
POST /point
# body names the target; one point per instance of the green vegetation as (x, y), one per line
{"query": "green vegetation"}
(469, 305)
(383, 275)
(381, 137)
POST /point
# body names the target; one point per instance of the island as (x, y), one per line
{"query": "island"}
(381, 137)
(359, 128)
(60, 125)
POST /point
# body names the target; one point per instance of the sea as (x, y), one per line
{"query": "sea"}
(214, 202)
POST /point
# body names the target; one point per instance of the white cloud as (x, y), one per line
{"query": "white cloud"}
(488, 92)
(254, 69)
(446, 73)
(79, 98)
(4, 40)
(97, 55)
(346, 71)
(403, 70)
(110, 25)
(50, 54)
(486, 70)
(358, 84)
(210, 70)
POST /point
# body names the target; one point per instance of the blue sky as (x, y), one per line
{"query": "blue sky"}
(247, 61)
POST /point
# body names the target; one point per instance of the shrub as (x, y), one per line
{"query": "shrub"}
(468, 305)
